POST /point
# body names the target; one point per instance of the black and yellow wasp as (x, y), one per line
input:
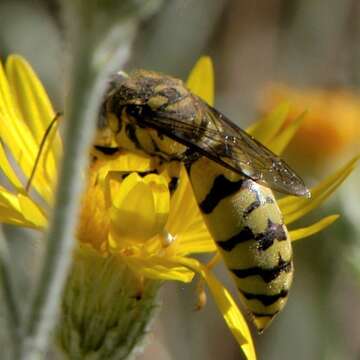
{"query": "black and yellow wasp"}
(230, 172)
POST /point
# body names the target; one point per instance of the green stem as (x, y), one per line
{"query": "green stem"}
(9, 295)
(86, 89)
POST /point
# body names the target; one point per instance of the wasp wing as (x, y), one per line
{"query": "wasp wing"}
(225, 143)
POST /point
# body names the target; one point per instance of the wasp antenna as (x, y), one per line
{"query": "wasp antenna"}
(41, 148)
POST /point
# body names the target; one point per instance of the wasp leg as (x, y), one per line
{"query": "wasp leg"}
(200, 287)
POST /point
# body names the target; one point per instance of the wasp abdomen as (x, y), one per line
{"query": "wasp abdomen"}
(247, 225)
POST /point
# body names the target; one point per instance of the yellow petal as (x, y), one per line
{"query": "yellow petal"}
(288, 201)
(294, 208)
(185, 221)
(7, 105)
(29, 95)
(182, 202)
(125, 162)
(17, 138)
(227, 306)
(197, 243)
(8, 170)
(140, 208)
(160, 190)
(280, 142)
(265, 130)
(32, 212)
(20, 210)
(201, 80)
(9, 210)
(312, 229)
(13, 133)
(34, 104)
(159, 268)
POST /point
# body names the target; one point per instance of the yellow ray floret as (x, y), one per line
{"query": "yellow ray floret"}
(18, 209)
(201, 80)
(293, 208)
(313, 229)
(25, 112)
(227, 307)
(279, 143)
(266, 129)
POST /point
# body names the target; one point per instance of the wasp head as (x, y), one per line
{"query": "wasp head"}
(138, 101)
(142, 92)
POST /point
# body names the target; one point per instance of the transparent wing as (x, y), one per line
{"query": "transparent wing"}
(225, 143)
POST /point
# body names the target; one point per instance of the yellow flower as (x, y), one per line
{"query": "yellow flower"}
(330, 130)
(129, 222)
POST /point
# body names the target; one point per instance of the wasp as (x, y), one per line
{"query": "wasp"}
(231, 175)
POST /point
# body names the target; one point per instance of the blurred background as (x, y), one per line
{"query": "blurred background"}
(303, 51)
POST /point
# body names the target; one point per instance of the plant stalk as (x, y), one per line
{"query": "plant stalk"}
(12, 308)
(86, 90)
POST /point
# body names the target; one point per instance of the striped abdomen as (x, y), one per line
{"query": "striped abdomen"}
(247, 225)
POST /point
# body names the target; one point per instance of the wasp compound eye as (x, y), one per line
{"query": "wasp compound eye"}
(135, 111)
